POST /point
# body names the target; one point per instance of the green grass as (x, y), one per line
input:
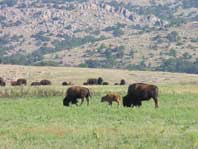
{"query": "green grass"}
(43, 122)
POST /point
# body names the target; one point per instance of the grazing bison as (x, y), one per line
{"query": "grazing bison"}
(116, 83)
(92, 81)
(75, 92)
(85, 83)
(21, 82)
(100, 81)
(139, 92)
(2, 82)
(111, 97)
(14, 83)
(35, 83)
(67, 83)
(122, 82)
(105, 83)
(64, 83)
(45, 82)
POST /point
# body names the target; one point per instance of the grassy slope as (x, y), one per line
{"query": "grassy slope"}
(42, 122)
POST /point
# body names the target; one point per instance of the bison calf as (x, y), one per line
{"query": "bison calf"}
(111, 97)
(75, 92)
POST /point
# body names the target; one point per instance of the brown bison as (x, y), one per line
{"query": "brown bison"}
(14, 83)
(2, 82)
(21, 82)
(85, 83)
(139, 92)
(35, 83)
(105, 83)
(111, 97)
(92, 81)
(122, 82)
(100, 81)
(45, 82)
(75, 92)
(67, 83)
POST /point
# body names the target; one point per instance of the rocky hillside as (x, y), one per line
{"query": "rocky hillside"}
(146, 34)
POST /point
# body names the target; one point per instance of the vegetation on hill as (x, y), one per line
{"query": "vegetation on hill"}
(126, 34)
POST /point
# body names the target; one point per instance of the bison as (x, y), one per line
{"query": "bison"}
(139, 92)
(35, 83)
(22, 81)
(85, 83)
(14, 83)
(122, 82)
(100, 81)
(111, 97)
(92, 81)
(67, 83)
(45, 82)
(2, 82)
(105, 83)
(75, 92)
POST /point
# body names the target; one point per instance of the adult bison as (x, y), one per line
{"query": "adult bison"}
(18, 82)
(75, 92)
(67, 83)
(35, 83)
(45, 82)
(21, 81)
(92, 81)
(105, 83)
(139, 92)
(2, 82)
(100, 81)
(122, 82)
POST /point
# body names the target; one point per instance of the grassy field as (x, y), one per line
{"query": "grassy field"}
(34, 117)
(42, 122)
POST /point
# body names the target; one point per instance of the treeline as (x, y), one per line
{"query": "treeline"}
(179, 65)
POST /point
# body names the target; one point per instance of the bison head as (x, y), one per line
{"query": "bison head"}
(126, 101)
(66, 101)
(103, 99)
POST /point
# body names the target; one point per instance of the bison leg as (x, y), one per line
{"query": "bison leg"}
(118, 103)
(66, 101)
(156, 102)
(82, 100)
(87, 98)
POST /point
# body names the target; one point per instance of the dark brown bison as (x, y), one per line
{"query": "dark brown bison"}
(92, 81)
(111, 97)
(45, 82)
(14, 83)
(2, 82)
(35, 83)
(67, 83)
(100, 81)
(21, 81)
(85, 83)
(116, 83)
(105, 83)
(122, 82)
(139, 92)
(75, 92)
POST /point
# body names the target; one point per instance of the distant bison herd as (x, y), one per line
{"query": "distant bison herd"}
(137, 92)
(91, 81)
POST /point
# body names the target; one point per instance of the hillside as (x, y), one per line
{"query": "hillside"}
(143, 35)
(79, 75)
